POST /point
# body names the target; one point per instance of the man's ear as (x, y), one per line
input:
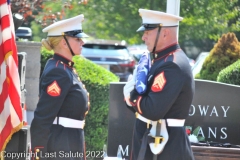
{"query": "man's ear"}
(166, 33)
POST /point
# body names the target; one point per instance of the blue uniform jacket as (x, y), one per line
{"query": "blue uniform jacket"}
(61, 94)
(169, 94)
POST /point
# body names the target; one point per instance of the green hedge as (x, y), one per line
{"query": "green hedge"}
(97, 81)
(45, 55)
(225, 52)
(230, 74)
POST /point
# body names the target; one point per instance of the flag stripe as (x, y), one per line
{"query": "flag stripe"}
(4, 114)
(2, 77)
(7, 129)
(4, 96)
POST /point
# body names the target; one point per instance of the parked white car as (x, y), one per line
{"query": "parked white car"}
(24, 33)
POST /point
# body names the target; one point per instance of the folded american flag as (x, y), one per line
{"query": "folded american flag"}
(143, 68)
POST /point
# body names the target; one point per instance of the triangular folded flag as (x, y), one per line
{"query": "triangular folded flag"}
(143, 68)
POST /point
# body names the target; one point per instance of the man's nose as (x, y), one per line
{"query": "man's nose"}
(82, 42)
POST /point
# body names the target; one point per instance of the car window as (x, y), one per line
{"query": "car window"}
(106, 50)
(95, 46)
(111, 55)
(22, 31)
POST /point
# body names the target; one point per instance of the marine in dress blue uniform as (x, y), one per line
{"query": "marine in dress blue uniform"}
(57, 130)
(169, 94)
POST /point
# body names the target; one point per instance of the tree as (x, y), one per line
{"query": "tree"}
(224, 53)
(208, 19)
(204, 21)
(27, 8)
(36, 10)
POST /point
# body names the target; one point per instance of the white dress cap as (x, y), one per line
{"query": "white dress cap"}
(71, 27)
(157, 17)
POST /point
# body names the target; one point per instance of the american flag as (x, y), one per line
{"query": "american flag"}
(143, 68)
(10, 105)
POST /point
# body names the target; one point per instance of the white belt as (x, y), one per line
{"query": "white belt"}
(170, 122)
(69, 123)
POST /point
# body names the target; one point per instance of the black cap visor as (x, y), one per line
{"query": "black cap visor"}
(147, 27)
(76, 33)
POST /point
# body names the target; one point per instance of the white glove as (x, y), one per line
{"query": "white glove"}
(134, 75)
(129, 86)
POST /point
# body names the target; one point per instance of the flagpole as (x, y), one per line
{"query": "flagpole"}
(173, 7)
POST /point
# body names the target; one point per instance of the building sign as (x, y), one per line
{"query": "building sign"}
(120, 123)
(215, 108)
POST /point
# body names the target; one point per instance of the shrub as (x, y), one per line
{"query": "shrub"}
(45, 55)
(230, 74)
(224, 53)
(197, 76)
(97, 81)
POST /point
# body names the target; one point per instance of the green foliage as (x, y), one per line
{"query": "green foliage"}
(224, 53)
(97, 81)
(93, 73)
(45, 55)
(197, 76)
(230, 74)
(208, 19)
(119, 20)
(195, 132)
(115, 19)
(38, 35)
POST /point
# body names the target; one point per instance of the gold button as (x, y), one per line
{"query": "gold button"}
(88, 104)
(37, 150)
(37, 158)
(134, 100)
(86, 113)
